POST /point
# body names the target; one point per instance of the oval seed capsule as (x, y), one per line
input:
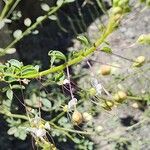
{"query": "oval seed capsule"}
(105, 70)
(120, 96)
(117, 10)
(77, 117)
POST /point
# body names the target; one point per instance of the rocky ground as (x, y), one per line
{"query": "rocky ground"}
(125, 127)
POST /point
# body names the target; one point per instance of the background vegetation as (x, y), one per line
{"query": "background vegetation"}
(74, 74)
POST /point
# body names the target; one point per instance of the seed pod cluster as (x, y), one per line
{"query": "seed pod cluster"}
(77, 117)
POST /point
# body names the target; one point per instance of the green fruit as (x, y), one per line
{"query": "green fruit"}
(117, 10)
(120, 96)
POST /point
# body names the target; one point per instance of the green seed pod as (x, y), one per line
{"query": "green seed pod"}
(139, 61)
(105, 106)
(109, 103)
(117, 10)
(120, 96)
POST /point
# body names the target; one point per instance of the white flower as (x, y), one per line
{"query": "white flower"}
(98, 86)
(36, 121)
(72, 103)
(25, 81)
(87, 116)
(40, 132)
(66, 81)
(37, 132)
(47, 126)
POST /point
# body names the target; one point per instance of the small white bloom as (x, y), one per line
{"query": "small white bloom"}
(66, 81)
(72, 103)
(25, 81)
(47, 126)
(45, 7)
(36, 121)
(87, 116)
(99, 88)
(17, 34)
(27, 22)
(40, 132)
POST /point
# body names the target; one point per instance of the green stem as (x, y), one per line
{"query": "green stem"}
(69, 130)
(28, 30)
(12, 8)
(137, 98)
(5, 9)
(82, 56)
(9, 114)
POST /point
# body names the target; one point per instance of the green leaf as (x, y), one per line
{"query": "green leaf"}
(59, 76)
(15, 63)
(53, 17)
(10, 51)
(9, 94)
(46, 103)
(83, 40)
(59, 2)
(17, 86)
(29, 71)
(12, 131)
(56, 55)
(106, 49)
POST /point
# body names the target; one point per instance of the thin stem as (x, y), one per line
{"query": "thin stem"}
(70, 88)
(70, 130)
(83, 54)
(12, 8)
(9, 114)
(28, 30)
(5, 9)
